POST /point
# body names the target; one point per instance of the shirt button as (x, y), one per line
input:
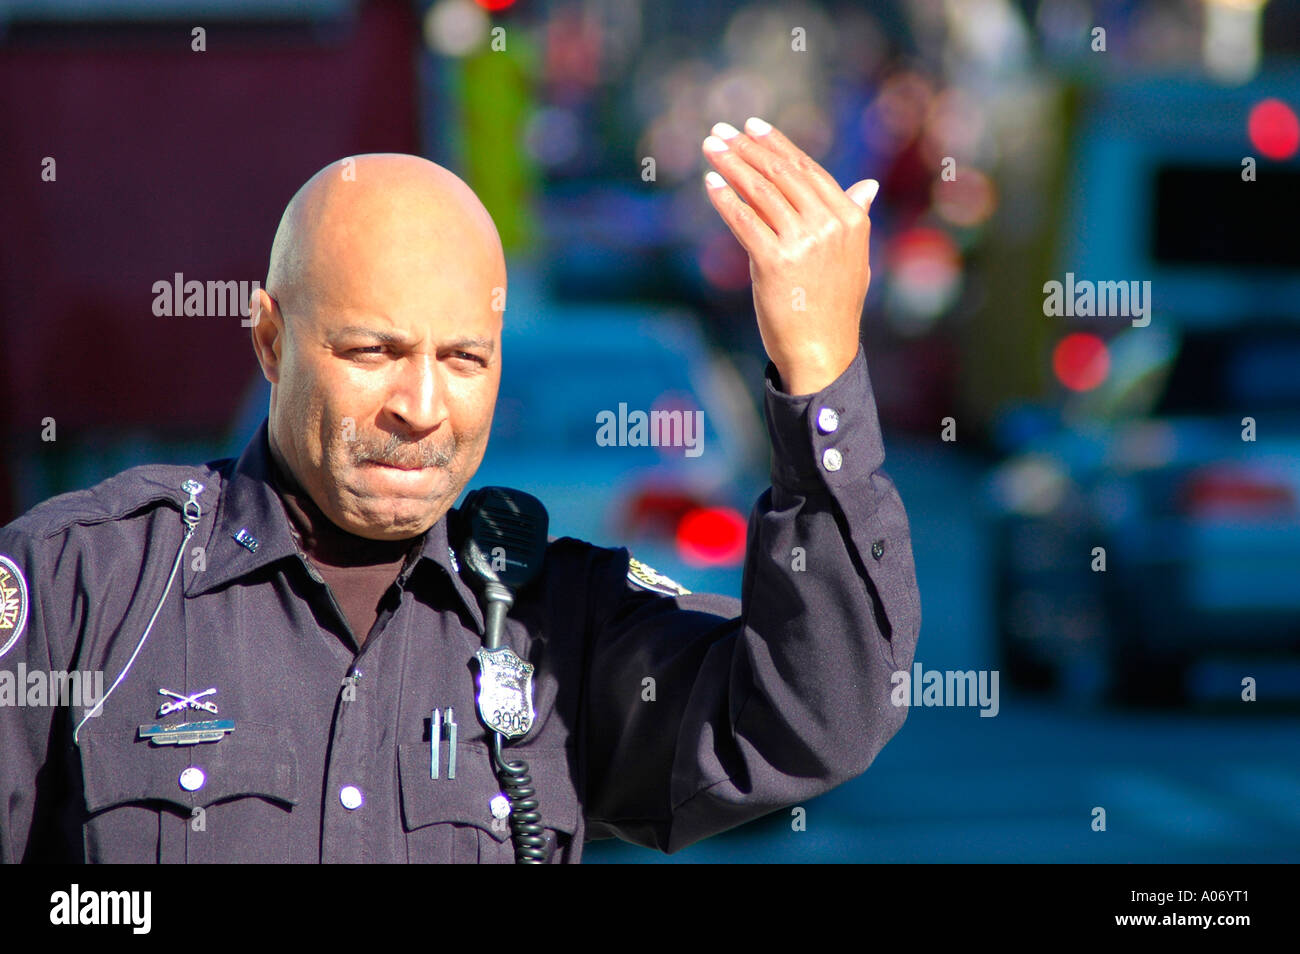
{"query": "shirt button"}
(827, 420)
(831, 459)
(351, 798)
(499, 806)
(192, 779)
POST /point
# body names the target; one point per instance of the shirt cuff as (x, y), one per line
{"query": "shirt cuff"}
(825, 440)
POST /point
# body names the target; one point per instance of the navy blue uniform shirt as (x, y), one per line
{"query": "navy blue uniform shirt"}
(758, 703)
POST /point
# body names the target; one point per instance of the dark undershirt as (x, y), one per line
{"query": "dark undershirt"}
(358, 571)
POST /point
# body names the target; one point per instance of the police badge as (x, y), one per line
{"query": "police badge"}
(505, 692)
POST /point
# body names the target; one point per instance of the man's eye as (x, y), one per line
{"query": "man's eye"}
(470, 357)
(369, 349)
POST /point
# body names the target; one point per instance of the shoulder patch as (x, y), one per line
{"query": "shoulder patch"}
(13, 604)
(648, 578)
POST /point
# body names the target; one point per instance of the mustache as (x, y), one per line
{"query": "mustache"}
(401, 453)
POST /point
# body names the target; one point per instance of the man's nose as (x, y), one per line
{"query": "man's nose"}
(417, 396)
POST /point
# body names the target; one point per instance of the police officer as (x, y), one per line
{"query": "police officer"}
(288, 640)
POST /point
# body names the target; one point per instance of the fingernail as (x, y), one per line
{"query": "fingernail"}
(725, 130)
(714, 144)
(757, 127)
(713, 180)
(872, 188)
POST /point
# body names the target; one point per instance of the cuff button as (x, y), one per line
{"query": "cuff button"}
(832, 459)
(827, 420)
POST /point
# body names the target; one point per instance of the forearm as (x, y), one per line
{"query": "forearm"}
(825, 623)
(784, 694)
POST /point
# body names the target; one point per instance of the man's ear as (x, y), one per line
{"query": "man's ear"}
(268, 333)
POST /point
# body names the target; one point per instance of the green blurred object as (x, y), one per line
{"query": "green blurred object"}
(496, 96)
(1007, 337)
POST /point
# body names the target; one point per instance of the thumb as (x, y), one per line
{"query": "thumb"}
(864, 192)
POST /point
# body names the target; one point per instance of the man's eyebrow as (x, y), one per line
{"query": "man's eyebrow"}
(387, 337)
(487, 344)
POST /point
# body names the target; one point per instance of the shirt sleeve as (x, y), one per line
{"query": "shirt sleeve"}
(760, 703)
(32, 772)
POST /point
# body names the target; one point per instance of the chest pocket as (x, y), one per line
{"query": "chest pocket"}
(450, 819)
(227, 801)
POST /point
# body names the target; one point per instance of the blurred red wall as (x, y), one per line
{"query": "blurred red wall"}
(168, 160)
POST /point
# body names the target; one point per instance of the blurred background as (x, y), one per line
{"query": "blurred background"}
(1105, 508)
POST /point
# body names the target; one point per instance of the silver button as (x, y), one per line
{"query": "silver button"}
(192, 779)
(351, 798)
(827, 420)
(831, 459)
(500, 806)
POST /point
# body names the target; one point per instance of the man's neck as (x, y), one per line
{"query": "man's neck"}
(322, 539)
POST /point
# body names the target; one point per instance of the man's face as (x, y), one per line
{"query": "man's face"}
(383, 416)
(382, 342)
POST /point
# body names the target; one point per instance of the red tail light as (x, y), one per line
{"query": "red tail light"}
(712, 536)
(704, 535)
(1230, 491)
(657, 512)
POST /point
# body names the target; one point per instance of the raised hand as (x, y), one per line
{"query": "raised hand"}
(807, 242)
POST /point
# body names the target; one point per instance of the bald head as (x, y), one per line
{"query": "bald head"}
(382, 218)
(379, 329)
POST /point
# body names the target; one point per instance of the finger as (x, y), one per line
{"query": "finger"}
(752, 186)
(789, 176)
(752, 233)
(821, 181)
(863, 193)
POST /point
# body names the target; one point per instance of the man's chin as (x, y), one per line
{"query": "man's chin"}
(397, 522)
(395, 516)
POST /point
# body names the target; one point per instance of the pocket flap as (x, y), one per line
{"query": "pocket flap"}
(466, 799)
(255, 759)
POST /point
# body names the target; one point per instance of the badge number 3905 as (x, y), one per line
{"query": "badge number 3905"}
(505, 692)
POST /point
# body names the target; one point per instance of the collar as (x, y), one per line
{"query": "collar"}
(251, 530)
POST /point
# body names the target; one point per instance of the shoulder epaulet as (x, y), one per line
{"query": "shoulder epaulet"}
(648, 578)
(129, 492)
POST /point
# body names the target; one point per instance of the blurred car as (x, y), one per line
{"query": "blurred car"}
(683, 510)
(1155, 469)
(1184, 467)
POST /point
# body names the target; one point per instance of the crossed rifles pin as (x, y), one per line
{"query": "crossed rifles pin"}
(186, 702)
